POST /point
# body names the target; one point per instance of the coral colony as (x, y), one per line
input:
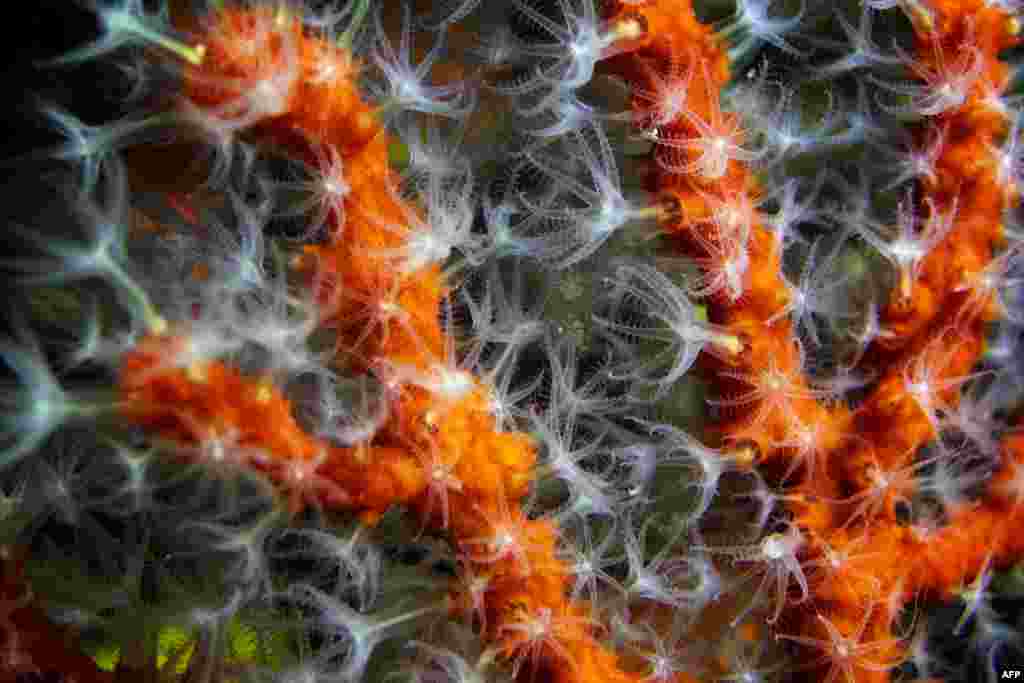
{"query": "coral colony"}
(533, 340)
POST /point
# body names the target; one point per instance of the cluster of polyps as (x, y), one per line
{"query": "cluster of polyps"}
(335, 370)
